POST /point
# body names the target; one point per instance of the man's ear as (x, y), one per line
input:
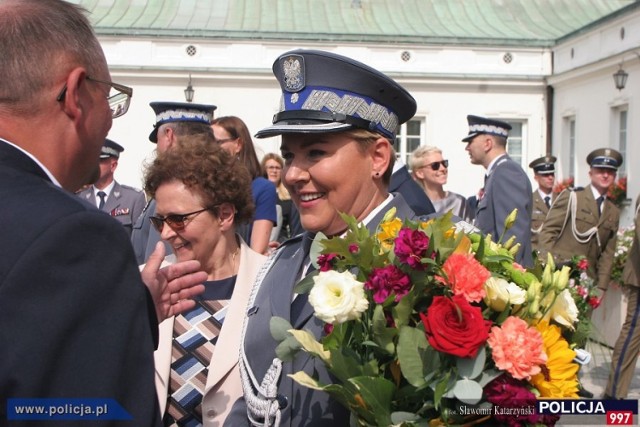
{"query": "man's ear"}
(72, 101)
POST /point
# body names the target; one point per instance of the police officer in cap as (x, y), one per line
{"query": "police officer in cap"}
(544, 172)
(174, 120)
(337, 122)
(506, 185)
(122, 202)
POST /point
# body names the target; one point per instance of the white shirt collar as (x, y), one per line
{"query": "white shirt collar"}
(493, 162)
(107, 190)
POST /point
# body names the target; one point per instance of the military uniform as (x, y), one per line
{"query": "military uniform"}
(574, 225)
(124, 203)
(625, 351)
(541, 166)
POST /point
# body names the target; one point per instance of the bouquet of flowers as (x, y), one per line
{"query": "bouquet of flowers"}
(623, 245)
(618, 191)
(428, 324)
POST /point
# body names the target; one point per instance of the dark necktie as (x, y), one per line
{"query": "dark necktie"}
(599, 200)
(547, 201)
(102, 196)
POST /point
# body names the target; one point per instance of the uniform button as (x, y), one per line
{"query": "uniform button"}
(211, 413)
(283, 401)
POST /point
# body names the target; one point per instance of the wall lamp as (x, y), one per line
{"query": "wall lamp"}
(189, 92)
(620, 77)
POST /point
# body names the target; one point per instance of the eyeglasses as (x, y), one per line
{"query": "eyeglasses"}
(273, 168)
(436, 165)
(222, 141)
(176, 221)
(119, 98)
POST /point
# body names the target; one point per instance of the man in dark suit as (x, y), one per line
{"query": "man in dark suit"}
(506, 187)
(122, 202)
(77, 320)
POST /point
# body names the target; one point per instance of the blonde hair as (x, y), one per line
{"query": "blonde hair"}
(418, 155)
(283, 193)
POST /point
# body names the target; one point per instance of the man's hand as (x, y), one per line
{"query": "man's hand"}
(172, 287)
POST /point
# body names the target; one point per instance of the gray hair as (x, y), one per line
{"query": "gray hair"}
(41, 40)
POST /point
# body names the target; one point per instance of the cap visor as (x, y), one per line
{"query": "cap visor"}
(470, 137)
(285, 127)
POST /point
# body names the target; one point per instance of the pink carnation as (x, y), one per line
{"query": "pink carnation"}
(583, 264)
(387, 280)
(411, 246)
(517, 348)
(466, 276)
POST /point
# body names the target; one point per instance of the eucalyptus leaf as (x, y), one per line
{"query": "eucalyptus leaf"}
(279, 328)
(401, 417)
(316, 248)
(488, 376)
(472, 367)
(412, 345)
(467, 391)
(305, 285)
(287, 349)
(382, 335)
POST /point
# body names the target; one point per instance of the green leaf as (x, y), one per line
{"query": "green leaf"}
(472, 367)
(279, 327)
(305, 285)
(412, 346)
(488, 376)
(316, 248)
(401, 312)
(377, 392)
(287, 349)
(382, 335)
(345, 366)
(467, 391)
(311, 345)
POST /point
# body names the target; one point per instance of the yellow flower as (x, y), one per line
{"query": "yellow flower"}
(558, 378)
(390, 230)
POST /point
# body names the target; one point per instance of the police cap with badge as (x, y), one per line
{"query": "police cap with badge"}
(606, 158)
(171, 112)
(544, 165)
(110, 149)
(324, 92)
(483, 126)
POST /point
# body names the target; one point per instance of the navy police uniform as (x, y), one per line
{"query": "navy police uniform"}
(545, 165)
(145, 237)
(506, 188)
(122, 202)
(322, 93)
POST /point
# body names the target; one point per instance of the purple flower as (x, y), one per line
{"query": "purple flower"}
(354, 248)
(411, 246)
(508, 392)
(326, 261)
(387, 280)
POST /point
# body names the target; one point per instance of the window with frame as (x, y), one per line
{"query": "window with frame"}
(515, 144)
(621, 130)
(409, 137)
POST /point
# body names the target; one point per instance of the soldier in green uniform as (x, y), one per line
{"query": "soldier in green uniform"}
(544, 172)
(583, 222)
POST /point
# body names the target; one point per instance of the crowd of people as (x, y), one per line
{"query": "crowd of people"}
(166, 306)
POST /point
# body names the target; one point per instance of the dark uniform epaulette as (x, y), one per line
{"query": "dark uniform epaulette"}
(294, 239)
(576, 188)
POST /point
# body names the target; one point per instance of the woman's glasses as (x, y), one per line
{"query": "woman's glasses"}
(176, 221)
(436, 165)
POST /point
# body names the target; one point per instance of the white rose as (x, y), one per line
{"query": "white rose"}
(337, 297)
(564, 310)
(500, 293)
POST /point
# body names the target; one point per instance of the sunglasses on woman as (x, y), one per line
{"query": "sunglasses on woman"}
(176, 221)
(436, 165)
